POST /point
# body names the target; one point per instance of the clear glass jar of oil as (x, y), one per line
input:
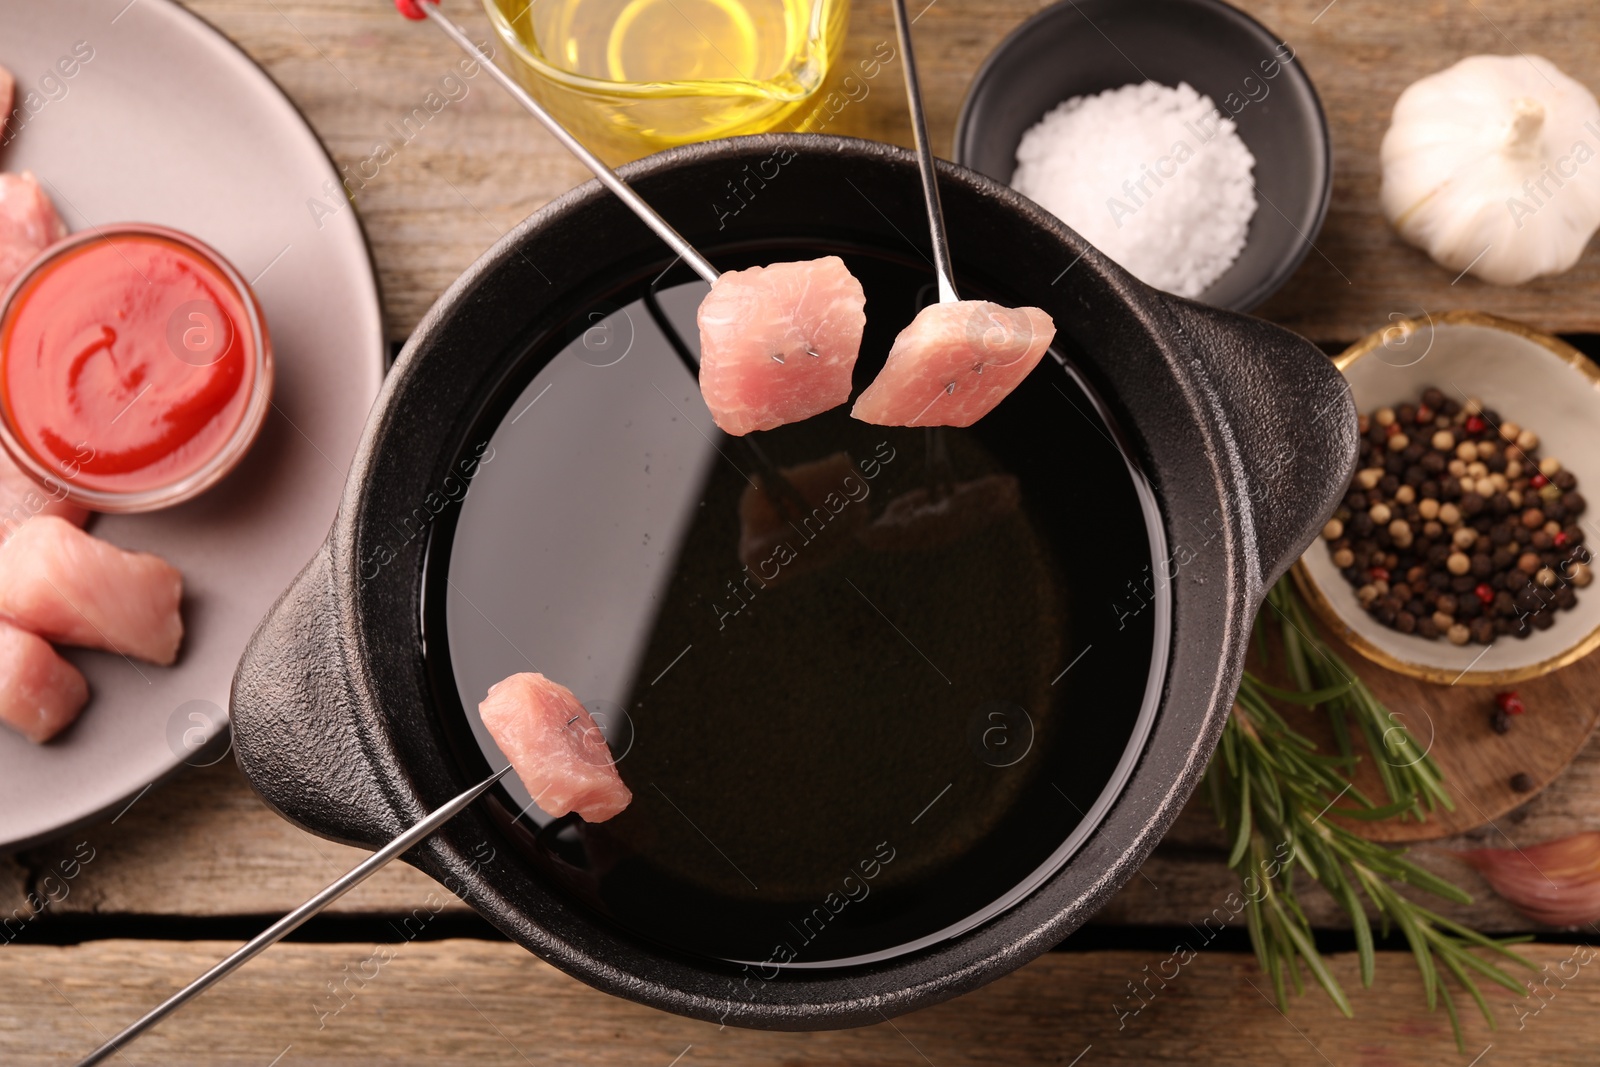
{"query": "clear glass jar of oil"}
(631, 77)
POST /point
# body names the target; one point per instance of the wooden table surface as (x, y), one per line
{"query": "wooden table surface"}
(197, 863)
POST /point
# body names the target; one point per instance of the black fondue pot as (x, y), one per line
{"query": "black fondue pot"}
(900, 709)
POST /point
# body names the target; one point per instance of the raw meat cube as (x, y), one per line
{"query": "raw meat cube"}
(778, 343)
(555, 747)
(955, 363)
(69, 587)
(40, 693)
(28, 223)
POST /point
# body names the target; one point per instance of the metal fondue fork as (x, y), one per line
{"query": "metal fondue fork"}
(286, 925)
(930, 178)
(607, 176)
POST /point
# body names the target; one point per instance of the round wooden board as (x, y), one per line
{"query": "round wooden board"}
(1452, 722)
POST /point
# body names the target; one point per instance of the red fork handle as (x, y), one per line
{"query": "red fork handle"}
(412, 9)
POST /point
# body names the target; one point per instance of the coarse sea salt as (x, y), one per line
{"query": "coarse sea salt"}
(1155, 177)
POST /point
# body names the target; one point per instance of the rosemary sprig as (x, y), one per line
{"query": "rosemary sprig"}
(1271, 790)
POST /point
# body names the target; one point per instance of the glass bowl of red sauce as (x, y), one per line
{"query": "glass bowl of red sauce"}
(135, 368)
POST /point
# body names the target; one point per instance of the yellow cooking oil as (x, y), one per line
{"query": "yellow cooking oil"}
(631, 77)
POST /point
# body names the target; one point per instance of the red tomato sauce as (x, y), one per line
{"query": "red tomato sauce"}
(128, 363)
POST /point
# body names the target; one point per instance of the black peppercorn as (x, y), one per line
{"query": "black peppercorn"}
(1521, 783)
(1500, 721)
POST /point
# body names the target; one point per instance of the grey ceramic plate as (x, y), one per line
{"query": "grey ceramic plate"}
(168, 122)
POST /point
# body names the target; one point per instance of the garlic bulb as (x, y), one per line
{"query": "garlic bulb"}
(1490, 165)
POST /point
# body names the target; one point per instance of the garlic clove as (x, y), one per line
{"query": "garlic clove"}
(1556, 882)
(1491, 166)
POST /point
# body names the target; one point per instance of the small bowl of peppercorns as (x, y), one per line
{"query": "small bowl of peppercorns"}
(1461, 551)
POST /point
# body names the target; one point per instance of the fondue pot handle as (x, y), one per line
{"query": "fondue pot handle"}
(296, 733)
(1286, 422)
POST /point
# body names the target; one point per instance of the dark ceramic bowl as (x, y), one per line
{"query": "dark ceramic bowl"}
(1215, 443)
(1082, 47)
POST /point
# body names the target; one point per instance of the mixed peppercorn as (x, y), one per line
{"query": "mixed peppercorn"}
(1454, 525)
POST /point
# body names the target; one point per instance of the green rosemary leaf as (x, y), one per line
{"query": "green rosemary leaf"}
(1421, 951)
(1455, 1020)
(1344, 894)
(1241, 839)
(1371, 814)
(1493, 973)
(1450, 961)
(1411, 874)
(1313, 959)
(1311, 699)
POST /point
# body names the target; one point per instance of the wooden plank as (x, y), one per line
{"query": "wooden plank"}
(204, 845)
(480, 166)
(466, 1002)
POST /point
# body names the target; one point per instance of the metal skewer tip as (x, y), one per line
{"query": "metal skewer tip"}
(290, 922)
